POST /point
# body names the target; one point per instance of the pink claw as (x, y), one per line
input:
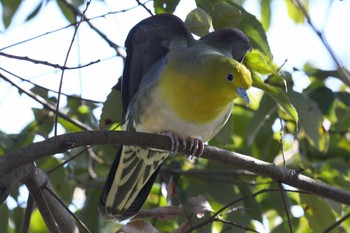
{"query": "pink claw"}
(175, 141)
(196, 144)
(197, 147)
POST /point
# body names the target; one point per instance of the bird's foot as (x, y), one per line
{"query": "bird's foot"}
(175, 140)
(196, 145)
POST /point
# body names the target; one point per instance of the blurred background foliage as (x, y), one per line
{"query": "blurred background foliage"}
(314, 124)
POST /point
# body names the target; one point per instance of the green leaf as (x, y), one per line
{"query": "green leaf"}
(40, 91)
(343, 115)
(83, 109)
(318, 213)
(226, 15)
(45, 121)
(34, 12)
(341, 73)
(265, 12)
(68, 126)
(89, 213)
(262, 64)
(278, 95)
(224, 136)
(343, 97)
(229, 14)
(198, 22)
(112, 109)
(66, 11)
(267, 107)
(294, 11)
(37, 224)
(9, 8)
(324, 97)
(4, 213)
(165, 6)
(311, 120)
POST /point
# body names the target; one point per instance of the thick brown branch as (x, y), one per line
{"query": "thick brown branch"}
(65, 142)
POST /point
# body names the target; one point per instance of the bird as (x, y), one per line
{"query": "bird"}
(175, 85)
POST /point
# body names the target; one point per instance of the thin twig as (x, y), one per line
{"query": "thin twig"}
(50, 90)
(234, 224)
(28, 214)
(40, 200)
(77, 12)
(283, 193)
(216, 214)
(46, 104)
(337, 223)
(324, 41)
(46, 63)
(143, 5)
(86, 229)
(65, 63)
(286, 206)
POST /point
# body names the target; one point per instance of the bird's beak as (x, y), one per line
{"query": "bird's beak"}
(243, 94)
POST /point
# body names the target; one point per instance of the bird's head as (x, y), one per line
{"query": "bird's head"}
(229, 76)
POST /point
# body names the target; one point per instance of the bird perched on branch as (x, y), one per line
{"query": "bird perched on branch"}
(175, 85)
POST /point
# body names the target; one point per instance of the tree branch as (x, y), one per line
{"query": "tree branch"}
(57, 219)
(65, 142)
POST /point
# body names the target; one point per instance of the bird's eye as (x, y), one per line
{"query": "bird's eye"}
(229, 77)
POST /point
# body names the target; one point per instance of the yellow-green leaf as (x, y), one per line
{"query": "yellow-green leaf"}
(112, 109)
(9, 8)
(278, 94)
(198, 22)
(165, 6)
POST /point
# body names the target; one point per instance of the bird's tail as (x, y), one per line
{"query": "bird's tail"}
(129, 181)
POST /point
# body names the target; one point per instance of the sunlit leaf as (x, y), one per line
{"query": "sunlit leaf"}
(316, 209)
(9, 8)
(112, 109)
(278, 95)
(83, 109)
(165, 6)
(265, 12)
(262, 64)
(230, 14)
(198, 22)
(226, 15)
(311, 120)
(66, 11)
(294, 11)
(37, 224)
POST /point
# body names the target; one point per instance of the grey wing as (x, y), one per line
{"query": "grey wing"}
(229, 41)
(146, 44)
